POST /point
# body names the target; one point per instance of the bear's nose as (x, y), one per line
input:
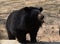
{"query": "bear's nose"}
(42, 16)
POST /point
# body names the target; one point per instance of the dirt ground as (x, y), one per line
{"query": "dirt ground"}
(49, 32)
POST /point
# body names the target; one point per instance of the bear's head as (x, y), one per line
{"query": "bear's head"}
(35, 13)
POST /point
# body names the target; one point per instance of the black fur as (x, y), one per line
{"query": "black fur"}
(23, 21)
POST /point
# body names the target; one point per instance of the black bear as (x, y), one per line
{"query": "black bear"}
(23, 21)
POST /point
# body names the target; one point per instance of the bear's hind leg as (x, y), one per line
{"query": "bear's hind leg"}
(11, 36)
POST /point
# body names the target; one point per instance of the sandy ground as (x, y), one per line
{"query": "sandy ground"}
(49, 32)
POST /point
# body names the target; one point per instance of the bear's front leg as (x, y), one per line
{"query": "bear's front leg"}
(33, 35)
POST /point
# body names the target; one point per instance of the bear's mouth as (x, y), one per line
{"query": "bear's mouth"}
(43, 21)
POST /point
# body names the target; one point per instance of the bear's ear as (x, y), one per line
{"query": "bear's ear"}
(41, 9)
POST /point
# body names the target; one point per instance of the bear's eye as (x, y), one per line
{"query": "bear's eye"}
(36, 11)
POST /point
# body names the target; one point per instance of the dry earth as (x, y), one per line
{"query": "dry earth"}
(49, 32)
